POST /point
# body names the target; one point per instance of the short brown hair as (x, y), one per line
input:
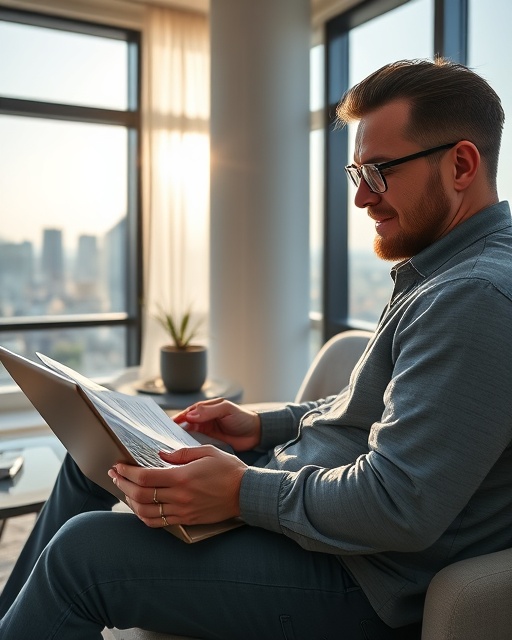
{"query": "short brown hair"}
(449, 102)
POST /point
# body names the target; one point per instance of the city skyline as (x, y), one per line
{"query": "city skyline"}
(35, 274)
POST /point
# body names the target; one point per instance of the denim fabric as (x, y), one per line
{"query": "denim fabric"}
(73, 493)
(109, 569)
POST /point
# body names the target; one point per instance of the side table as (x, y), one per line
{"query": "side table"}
(177, 401)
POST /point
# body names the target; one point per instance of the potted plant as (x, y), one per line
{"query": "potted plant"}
(182, 364)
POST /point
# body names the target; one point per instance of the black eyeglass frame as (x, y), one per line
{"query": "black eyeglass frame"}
(356, 173)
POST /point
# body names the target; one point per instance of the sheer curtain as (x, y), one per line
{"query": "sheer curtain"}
(175, 187)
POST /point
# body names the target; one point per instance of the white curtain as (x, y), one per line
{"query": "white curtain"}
(175, 186)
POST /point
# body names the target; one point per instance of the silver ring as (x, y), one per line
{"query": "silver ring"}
(154, 497)
(161, 510)
(166, 524)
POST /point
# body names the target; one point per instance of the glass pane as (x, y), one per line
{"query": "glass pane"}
(95, 352)
(490, 50)
(316, 219)
(63, 211)
(405, 32)
(67, 68)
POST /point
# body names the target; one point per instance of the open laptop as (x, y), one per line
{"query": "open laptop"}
(71, 417)
(84, 433)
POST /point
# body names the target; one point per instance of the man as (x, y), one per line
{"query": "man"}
(374, 490)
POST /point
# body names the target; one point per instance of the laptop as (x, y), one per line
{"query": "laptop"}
(71, 417)
(76, 422)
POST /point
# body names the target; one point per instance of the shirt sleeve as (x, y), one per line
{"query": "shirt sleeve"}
(280, 425)
(446, 421)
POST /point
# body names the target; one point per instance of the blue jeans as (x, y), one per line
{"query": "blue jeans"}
(107, 569)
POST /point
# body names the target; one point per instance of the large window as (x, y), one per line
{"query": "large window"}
(69, 237)
(356, 283)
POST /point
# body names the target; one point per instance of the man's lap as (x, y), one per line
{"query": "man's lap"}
(247, 581)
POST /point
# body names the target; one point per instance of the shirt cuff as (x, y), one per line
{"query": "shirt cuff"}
(259, 497)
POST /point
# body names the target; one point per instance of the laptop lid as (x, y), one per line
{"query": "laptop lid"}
(72, 418)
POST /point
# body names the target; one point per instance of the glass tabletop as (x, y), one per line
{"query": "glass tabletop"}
(31, 486)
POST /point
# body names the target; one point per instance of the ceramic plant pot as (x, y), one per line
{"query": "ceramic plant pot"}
(183, 370)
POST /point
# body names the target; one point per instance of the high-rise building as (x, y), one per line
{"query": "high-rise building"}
(115, 265)
(16, 278)
(86, 265)
(52, 262)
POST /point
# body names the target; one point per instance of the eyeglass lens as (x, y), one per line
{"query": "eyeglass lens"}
(371, 176)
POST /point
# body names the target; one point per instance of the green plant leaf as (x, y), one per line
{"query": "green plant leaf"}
(179, 330)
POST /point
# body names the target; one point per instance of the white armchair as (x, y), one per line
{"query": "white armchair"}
(468, 600)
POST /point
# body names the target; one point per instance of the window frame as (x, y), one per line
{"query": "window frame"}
(451, 41)
(130, 118)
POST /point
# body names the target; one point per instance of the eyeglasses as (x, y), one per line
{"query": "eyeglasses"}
(372, 173)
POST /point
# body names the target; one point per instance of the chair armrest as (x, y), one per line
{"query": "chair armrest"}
(471, 600)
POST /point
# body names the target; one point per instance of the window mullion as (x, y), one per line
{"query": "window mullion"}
(451, 30)
(336, 193)
(35, 109)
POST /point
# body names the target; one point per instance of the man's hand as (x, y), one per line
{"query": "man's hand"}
(224, 420)
(204, 488)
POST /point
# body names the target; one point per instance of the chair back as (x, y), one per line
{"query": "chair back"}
(330, 370)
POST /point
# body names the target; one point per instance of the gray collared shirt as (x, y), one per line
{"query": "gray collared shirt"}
(409, 468)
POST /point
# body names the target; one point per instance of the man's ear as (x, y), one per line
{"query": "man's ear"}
(466, 164)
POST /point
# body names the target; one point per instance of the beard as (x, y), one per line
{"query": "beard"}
(425, 224)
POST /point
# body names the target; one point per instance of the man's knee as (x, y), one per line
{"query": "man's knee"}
(76, 544)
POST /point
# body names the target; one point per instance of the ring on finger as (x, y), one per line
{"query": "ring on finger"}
(166, 524)
(161, 506)
(155, 499)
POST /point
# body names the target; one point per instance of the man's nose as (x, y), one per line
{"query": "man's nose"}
(365, 197)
